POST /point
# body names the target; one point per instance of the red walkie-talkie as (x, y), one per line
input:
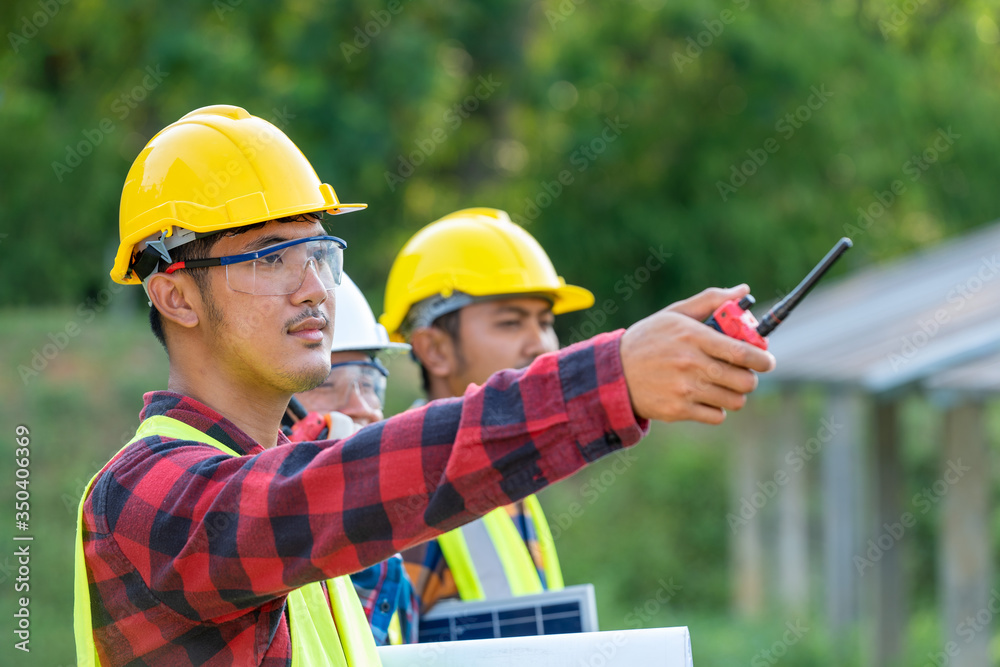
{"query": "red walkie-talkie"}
(734, 318)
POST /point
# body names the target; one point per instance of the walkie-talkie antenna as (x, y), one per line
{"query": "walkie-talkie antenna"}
(780, 311)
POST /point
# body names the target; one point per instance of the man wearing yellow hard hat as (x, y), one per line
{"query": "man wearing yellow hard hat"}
(476, 294)
(210, 539)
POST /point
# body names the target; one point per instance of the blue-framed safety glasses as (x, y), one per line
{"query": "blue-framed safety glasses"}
(279, 269)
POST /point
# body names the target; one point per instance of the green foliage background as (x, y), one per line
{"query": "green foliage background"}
(563, 70)
(360, 104)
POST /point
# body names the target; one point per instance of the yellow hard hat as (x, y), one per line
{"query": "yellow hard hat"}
(216, 168)
(477, 252)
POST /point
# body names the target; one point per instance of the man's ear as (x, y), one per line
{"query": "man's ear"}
(435, 350)
(176, 297)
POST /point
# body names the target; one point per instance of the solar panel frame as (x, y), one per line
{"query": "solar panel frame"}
(572, 609)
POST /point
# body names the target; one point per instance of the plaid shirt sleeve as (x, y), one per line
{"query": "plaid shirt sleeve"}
(189, 548)
(384, 589)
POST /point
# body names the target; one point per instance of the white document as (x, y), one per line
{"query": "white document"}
(655, 647)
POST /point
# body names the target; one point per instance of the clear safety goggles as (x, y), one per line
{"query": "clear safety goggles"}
(279, 269)
(364, 380)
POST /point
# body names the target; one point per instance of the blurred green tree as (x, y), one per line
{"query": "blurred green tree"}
(742, 137)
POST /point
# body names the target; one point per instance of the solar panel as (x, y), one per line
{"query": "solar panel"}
(572, 609)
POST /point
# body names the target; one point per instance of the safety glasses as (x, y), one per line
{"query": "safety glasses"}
(279, 269)
(354, 380)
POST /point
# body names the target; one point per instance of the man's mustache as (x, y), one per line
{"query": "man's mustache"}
(305, 315)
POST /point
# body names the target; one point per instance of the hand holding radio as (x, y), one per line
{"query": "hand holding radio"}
(734, 318)
(676, 370)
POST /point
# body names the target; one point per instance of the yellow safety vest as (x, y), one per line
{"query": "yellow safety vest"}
(340, 639)
(489, 560)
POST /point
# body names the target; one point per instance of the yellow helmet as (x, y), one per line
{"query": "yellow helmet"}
(475, 252)
(216, 168)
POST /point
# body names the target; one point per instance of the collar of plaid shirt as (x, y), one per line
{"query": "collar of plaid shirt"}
(190, 554)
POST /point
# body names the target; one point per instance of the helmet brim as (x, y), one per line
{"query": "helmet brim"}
(570, 298)
(565, 299)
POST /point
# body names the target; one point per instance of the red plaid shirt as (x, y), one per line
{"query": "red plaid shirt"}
(190, 553)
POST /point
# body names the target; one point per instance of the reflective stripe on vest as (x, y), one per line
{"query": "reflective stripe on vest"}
(340, 639)
(489, 559)
(550, 560)
(394, 634)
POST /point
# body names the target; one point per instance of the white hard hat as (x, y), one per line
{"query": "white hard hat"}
(355, 328)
